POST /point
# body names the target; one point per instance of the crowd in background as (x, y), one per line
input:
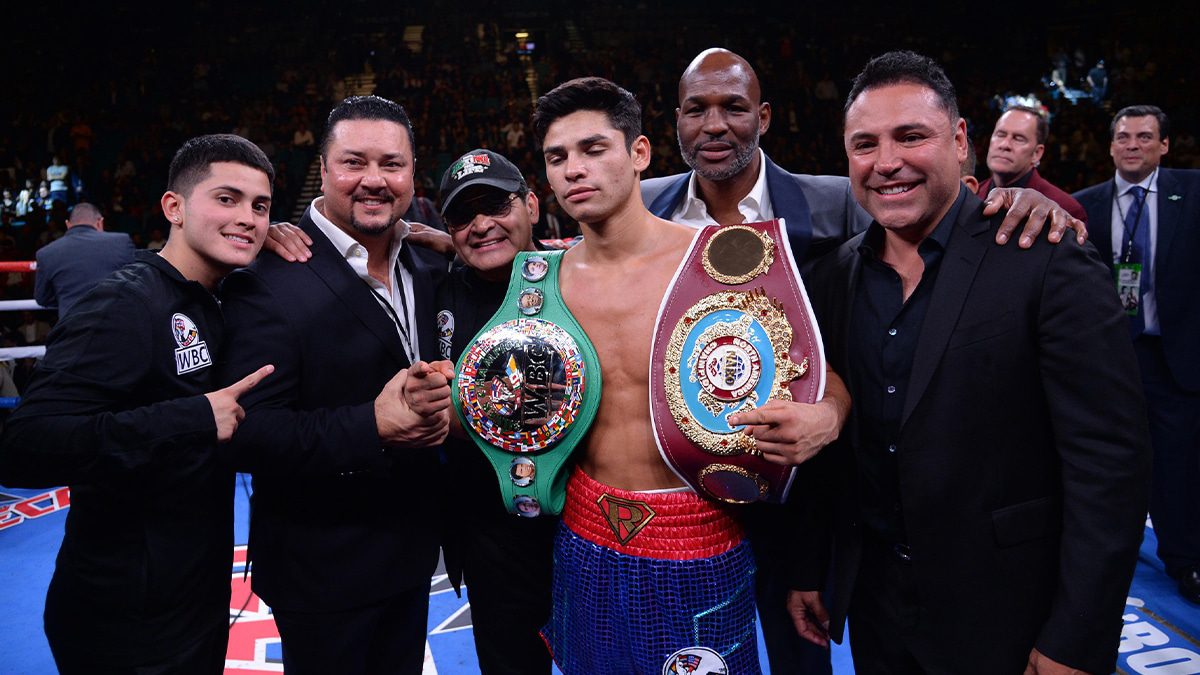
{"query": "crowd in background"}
(98, 123)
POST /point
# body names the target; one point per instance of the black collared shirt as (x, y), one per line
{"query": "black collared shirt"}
(884, 330)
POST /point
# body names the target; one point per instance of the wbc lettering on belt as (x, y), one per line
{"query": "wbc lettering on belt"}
(536, 393)
(521, 384)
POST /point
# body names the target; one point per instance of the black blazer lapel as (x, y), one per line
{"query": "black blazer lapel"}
(1170, 214)
(354, 293)
(423, 287)
(850, 292)
(964, 253)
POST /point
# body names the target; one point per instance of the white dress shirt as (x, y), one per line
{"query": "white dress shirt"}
(755, 207)
(399, 296)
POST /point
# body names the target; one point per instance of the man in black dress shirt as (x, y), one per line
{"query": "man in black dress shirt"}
(990, 489)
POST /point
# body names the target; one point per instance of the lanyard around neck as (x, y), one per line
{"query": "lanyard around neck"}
(1130, 232)
(401, 324)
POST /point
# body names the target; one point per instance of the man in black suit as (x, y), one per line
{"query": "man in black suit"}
(71, 266)
(1163, 205)
(989, 491)
(720, 120)
(344, 528)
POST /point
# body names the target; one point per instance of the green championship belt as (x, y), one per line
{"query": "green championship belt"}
(528, 387)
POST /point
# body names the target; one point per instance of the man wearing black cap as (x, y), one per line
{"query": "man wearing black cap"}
(506, 560)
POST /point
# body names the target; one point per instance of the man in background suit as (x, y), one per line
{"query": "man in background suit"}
(71, 266)
(344, 529)
(989, 491)
(720, 119)
(1165, 317)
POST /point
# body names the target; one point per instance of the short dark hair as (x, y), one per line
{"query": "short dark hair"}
(589, 93)
(1043, 125)
(901, 67)
(1164, 125)
(366, 108)
(192, 162)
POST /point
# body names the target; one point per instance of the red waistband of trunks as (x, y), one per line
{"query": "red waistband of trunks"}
(664, 525)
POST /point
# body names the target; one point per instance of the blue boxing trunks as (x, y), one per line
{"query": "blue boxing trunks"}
(650, 583)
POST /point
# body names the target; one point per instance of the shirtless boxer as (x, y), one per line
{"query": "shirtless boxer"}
(645, 569)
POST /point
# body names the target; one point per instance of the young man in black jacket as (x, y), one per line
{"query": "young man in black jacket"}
(124, 408)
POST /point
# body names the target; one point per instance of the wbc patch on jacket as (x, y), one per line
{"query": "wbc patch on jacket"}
(192, 353)
(445, 329)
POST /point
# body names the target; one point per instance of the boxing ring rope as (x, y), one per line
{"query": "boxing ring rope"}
(13, 353)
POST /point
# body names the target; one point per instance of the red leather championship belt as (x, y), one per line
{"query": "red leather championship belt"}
(734, 331)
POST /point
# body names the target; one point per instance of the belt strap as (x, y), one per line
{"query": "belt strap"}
(528, 387)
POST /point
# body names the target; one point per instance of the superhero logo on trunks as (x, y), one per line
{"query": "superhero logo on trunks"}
(737, 254)
(521, 385)
(626, 517)
(695, 661)
(728, 354)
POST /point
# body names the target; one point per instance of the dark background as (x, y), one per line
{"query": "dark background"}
(114, 90)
